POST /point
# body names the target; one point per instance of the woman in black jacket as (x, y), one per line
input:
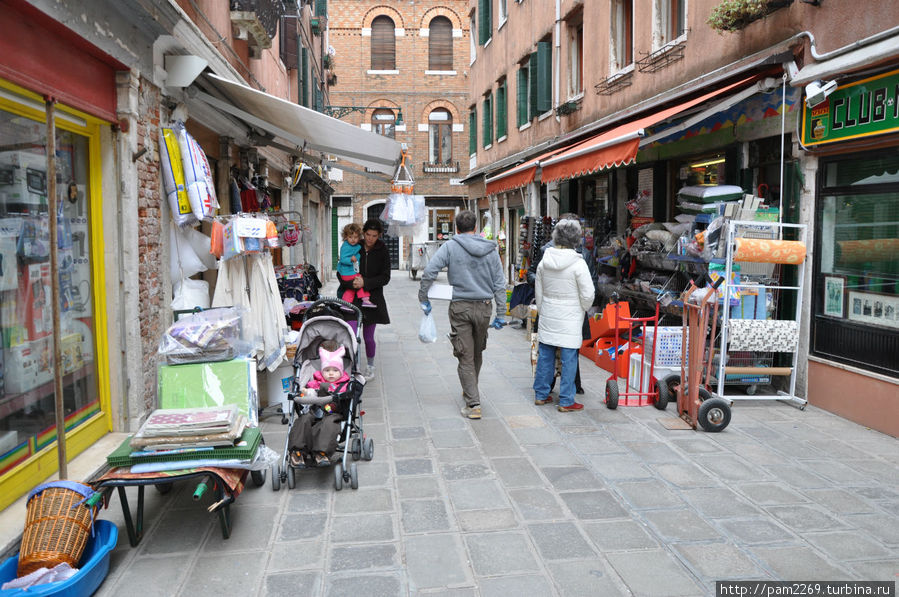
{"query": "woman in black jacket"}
(374, 274)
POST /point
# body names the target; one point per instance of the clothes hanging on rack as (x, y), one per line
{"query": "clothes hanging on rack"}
(249, 282)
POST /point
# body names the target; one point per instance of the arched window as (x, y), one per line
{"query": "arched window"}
(440, 44)
(440, 136)
(383, 44)
(383, 122)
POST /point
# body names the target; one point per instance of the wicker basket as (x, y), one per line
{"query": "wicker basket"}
(56, 529)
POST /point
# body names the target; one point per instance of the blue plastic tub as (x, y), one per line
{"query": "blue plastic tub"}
(94, 567)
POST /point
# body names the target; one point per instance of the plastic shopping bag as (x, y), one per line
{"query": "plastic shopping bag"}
(427, 331)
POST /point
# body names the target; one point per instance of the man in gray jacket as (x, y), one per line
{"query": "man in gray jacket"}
(476, 274)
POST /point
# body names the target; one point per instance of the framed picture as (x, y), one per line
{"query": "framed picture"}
(834, 290)
(869, 307)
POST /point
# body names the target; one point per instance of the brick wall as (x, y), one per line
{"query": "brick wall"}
(411, 90)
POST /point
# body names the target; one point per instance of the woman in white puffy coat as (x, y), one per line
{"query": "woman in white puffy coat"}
(564, 292)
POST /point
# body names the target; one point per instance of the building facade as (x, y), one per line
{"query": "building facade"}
(245, 78)
(608, 109)
(402, 71)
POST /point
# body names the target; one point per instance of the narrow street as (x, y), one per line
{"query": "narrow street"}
(531, 501)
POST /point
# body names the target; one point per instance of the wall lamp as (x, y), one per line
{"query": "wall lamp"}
(341, 111)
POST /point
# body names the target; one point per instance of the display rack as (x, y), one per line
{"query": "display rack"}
(762, 335)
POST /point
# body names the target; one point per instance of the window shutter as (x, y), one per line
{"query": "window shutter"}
(544, 76)
(484, 25)
(289, 41)
(304, 77)
(383, 44)
(440, 44)
(473, 131)
(321, 8)
(318, 102)
(522, 96)
(501, 111)
(488, 121)
(533, 87)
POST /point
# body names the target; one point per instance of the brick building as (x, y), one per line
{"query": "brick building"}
(402, 70)
(608, 108)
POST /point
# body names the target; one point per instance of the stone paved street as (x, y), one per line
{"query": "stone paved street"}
(529, 501)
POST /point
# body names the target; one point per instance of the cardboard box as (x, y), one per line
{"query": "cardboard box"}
(657, 373)
(71, 356)
(28, 365)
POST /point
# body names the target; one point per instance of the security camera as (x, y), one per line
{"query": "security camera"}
(817, 91)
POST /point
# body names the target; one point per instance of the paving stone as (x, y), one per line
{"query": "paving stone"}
(464, 470)
(486, 520)
(417, 487)
(552, 455)
(882, 526)
(685, 476)
(837, 472)
(655, 452)
(531, 585)
(653, 573)
(459, 455)
(619, 467)
(648, 494)
(696, 445)
(301, 526)
(167, 574)
(619, 535)
(516, 472)
(363, 557)
(681, 525)
(223, 574)
(499, 553)
(559, 541)
(420, 516)
(877, 493)
(592, 505)
(804, 518)
(840, 501)
(883, 472)
(290, 584)
(454, 592)
(770, 494)
(848, 545)
(435, 561)
(476, 494)
(878, 570)
(537, 504)
(530, 436)
(250, 529)
(450, 423)
(571, 478)
(758, 531)
(452, 438)
(732, 468)
(719, 561)
(407, 432)
(797, 476)
(384, 585)
(308, 501)
(760, 432)
(284, 556)
(414, 466)
(495, 439)
(176, 532)
(719, 502)
(407, 448)
(363, 500)
(794, 562)
(598, 444)
(588, 577)
(367, 527)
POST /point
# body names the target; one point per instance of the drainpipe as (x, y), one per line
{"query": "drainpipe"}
(558, 58)
(839, 51)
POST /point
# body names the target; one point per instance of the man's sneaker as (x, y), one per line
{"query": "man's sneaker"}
(369, 304)
(472, 412)
(574, 406)
(540, 402)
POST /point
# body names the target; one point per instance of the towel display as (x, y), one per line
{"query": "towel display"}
(763, 335)
(760, 250)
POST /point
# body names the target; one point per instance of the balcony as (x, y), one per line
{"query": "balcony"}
(441, 168)
(667, 54)
(614, 83)
(256, 22)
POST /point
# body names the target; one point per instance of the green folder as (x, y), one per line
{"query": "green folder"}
(210, 384)
(251, 437)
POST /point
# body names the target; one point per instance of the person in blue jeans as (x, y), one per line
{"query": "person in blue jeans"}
(563, 291)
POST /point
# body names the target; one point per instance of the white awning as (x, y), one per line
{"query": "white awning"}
(305, 128)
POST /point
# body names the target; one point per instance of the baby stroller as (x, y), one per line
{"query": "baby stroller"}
(323, 321)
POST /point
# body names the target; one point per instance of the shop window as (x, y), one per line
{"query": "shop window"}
(440, 44)
(383, 122)
(27, 392)
(383, 44)
(440, 136)
(622, 35)
(440, 223)
(856, 300)
(487, 135)
(670, 21)
(575, 56)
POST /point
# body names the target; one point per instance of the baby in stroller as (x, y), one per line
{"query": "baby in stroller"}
(313, 438)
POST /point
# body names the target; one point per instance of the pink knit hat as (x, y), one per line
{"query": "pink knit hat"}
(332, 359)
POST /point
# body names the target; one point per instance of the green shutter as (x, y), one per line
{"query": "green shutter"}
(317, 97)
(522, 97)
(335, 248)
(321, 8)
(544, 76)
(473, 131)
(485, 21)
(501, 111)
(532, 86)
(488, 121)
(304, 78)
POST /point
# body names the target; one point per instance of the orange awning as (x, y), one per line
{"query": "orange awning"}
(519, 176)
(617, 146)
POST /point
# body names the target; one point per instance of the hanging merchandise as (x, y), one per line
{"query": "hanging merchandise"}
(173, 178)
(198, 179)
(404, 210)
(290, 234)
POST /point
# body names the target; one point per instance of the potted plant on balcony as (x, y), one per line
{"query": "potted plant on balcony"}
(734, 15)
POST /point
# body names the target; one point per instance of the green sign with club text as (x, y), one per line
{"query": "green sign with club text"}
(861, 109)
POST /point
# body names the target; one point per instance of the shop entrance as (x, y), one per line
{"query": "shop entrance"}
(392, 242)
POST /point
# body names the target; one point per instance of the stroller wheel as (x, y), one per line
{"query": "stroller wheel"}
(291, 477)
(356, 450)
(258, 477)
(354, 477)
(276, 478)
(368, 449)
(338, 476)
